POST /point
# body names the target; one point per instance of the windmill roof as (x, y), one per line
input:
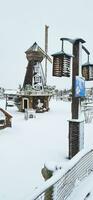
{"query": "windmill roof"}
(37, 48)
(34, 47)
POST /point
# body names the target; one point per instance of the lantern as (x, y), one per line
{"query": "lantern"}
(61, 64)
(87, 71)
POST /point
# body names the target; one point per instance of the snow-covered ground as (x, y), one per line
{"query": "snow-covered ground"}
(26, 146)
(29, 144)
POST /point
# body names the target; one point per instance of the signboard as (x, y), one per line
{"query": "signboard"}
(79, 86)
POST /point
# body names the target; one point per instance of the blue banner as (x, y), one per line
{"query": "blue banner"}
(79, 86)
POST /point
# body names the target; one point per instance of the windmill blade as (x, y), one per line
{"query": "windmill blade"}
(46, 55)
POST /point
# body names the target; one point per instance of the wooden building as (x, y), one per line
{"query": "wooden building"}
(30, 101)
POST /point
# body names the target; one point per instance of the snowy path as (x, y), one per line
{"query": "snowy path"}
(26, 146)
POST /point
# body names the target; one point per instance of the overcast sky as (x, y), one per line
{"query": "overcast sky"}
(22, 22)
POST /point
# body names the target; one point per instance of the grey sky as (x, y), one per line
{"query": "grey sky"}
(22, 23)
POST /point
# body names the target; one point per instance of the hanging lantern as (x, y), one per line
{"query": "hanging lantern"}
(61, 64)
(87, 71)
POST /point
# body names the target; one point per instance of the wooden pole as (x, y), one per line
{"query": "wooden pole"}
(76, 126)
(76, 68)
(46, 50)
(6, 103)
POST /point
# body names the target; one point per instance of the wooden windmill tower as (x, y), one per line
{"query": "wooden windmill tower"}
(34, 73)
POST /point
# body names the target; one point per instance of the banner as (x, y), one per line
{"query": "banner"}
(79, 86)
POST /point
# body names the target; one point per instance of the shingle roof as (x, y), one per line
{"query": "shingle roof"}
(36, 47)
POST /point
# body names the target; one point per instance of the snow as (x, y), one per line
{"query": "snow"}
(53, 166)
(29, 144)
(85, 187)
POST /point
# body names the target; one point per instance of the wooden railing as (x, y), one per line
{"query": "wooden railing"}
(60, 185)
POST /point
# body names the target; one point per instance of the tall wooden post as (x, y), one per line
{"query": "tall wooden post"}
(76, 67)
(46, 50)
(76, 126)
(6, 102)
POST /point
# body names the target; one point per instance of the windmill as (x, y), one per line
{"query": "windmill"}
(35, 76)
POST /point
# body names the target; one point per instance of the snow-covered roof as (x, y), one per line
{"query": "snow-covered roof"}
(10, 92)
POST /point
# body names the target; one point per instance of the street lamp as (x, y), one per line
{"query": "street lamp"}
(76, 124)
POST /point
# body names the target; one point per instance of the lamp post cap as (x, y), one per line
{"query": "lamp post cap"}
(73, 40)
(79, 40)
